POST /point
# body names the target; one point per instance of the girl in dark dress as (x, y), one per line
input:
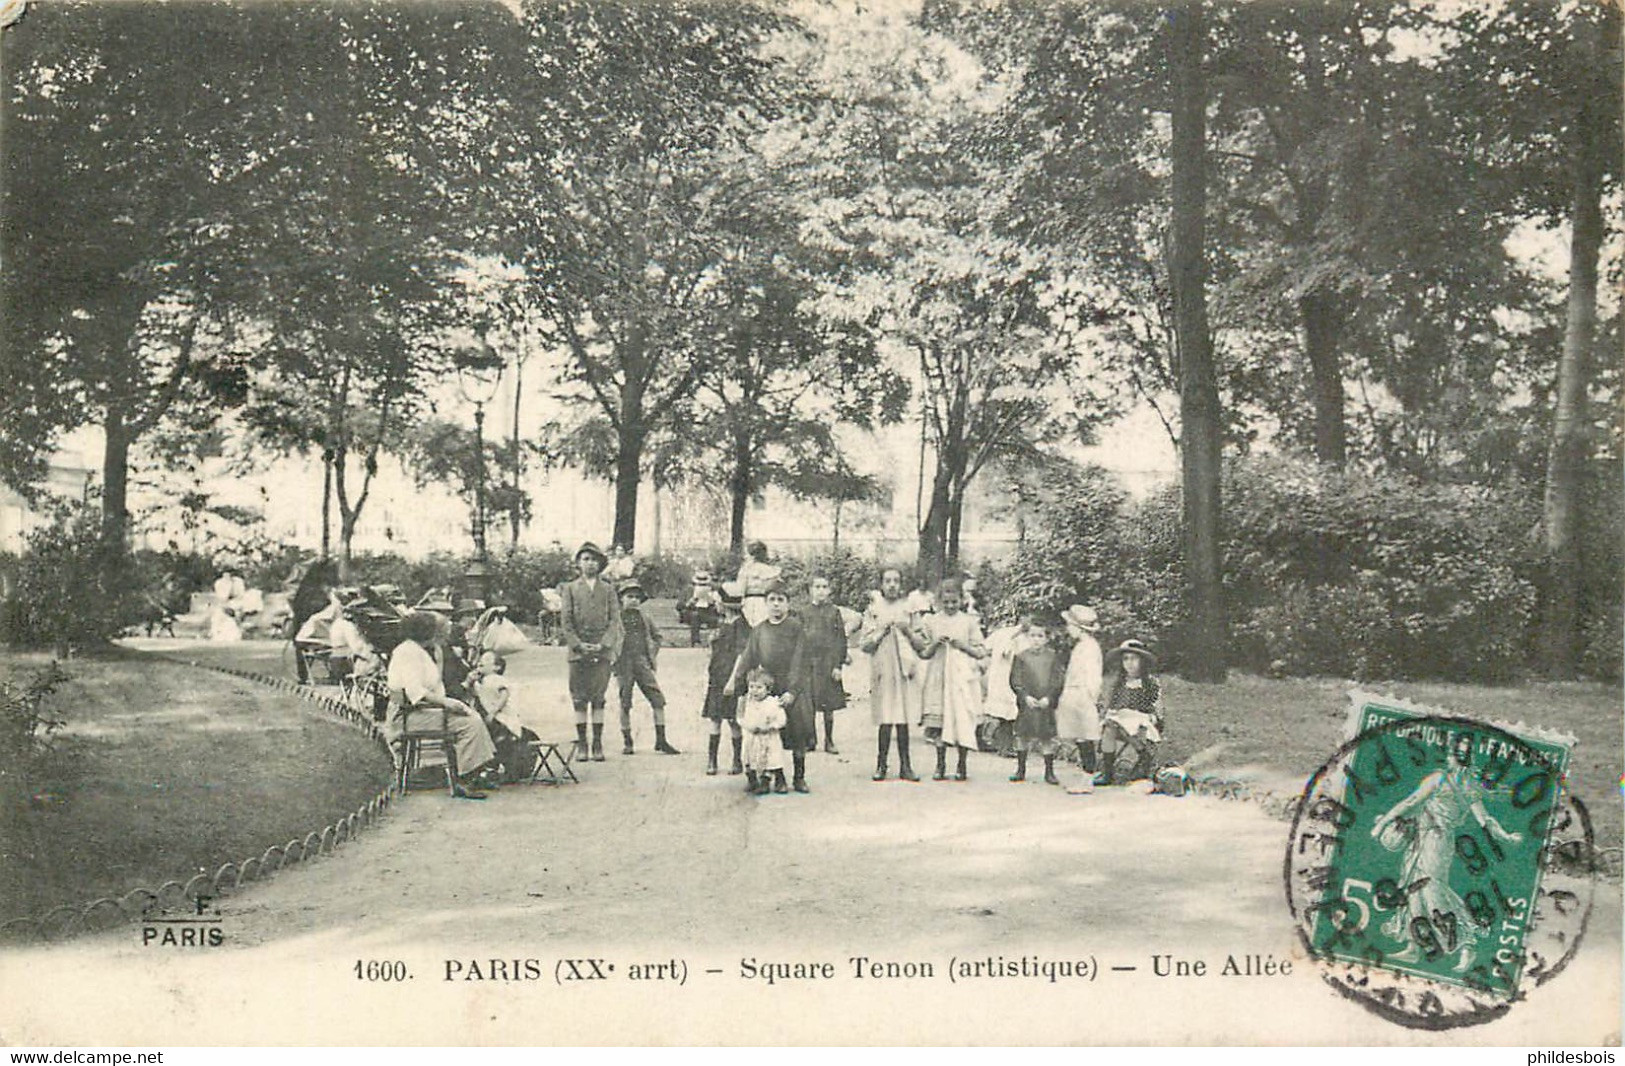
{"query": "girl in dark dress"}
(1134, 712)
(726, 645)
(825, 633)
(777, 645)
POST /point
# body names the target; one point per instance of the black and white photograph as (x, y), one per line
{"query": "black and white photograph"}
(802, 523)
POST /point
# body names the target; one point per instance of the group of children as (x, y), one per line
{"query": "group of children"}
(1045, 681)
(772, 681)
(1064, 694)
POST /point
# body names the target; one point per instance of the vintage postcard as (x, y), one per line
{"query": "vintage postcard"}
(802, 522)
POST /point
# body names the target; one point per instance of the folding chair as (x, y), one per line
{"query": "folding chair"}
(552, 764)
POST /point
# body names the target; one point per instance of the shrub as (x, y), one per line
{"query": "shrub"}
(26, 725)
(1377, 576)
(1092, 546)
(71, 591)
(517, 579)
(663, 575)
(1325, 573)
(851, 577)
(412, 577)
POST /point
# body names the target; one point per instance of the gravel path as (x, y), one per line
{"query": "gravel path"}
(649, 861)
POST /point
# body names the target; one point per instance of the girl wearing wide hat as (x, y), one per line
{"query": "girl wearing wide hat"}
(1134, 712)
(1077, 714)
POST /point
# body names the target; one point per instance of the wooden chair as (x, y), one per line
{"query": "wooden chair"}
(425, 729)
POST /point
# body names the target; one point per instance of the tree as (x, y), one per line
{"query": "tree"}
(906, 198)
(116, 227)
(1200, 456)
(210, 173)
(443, 452)
(354, 238)
(782, 378)
(1593, 138)
(627, 115)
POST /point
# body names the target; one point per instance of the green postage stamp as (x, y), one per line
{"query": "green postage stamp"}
(1438, 864)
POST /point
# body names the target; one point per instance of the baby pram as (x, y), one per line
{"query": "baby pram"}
(378, 616)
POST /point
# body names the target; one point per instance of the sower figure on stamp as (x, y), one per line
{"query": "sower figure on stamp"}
(1134, 713)
(590, 621)
(952, 692)
(727, 644)
(890, 639)
(777, 645)
(1445, 803)
(636, 666)
(826, 654)
(1037, 677)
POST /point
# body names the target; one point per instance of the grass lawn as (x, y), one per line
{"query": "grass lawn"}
(163, 771)
(1289, 727)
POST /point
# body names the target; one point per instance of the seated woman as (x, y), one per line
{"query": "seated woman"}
(418, 696)
(1134, 712)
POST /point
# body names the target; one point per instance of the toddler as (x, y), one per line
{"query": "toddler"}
(761, 718)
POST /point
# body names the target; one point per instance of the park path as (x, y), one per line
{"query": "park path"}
(648, 860)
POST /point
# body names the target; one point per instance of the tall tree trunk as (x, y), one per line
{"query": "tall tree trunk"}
(347, 524)
(933, 551)
(654, 490)
(628, 469)
(1322, 318)
(739, 480)
(115, 483)
(1566, 458)
(1206, 640)
(327, 503)
(516, 516)
(956, 514)
(840, 501)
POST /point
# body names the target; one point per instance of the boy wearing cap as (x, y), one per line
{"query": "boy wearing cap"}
(636, 666)
(590, 621)
(727, 643)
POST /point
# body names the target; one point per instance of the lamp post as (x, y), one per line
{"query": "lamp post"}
(477, 381)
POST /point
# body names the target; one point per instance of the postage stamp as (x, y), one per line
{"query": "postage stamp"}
(1438, 865)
